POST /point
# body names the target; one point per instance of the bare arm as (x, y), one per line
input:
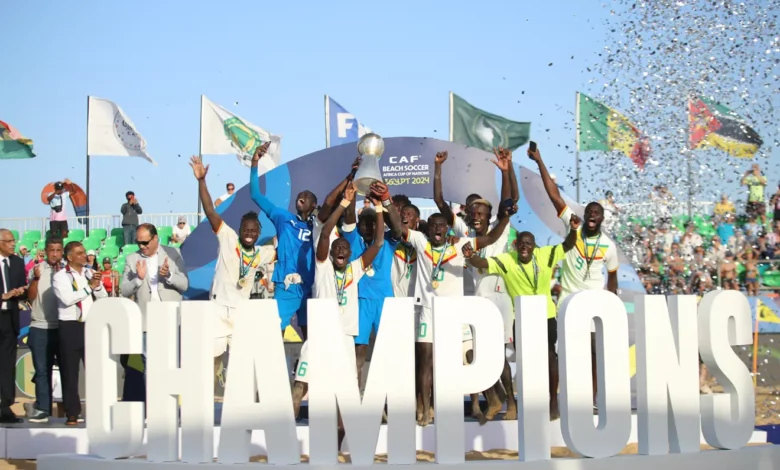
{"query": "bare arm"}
(612, 282)
(333, 196)
(549, 185)
(350, 217)
(369, 255)
(200, 172)
(571, 237)
(438, 192)
(323, 244)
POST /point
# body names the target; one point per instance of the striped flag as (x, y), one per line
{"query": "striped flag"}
(600, 127)
(13, 144)
(713, 124)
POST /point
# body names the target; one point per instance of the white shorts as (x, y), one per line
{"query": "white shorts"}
(424, 326)
(303, 362)
(504, 304)
(223, 330)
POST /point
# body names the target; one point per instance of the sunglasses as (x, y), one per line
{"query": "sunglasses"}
(143, 243)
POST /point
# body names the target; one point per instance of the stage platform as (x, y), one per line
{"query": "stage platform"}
(27, 441)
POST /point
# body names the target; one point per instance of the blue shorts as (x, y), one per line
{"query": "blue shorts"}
(290, 302)
(369, 314)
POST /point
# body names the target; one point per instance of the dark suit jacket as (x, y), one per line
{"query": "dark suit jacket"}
(16, 279)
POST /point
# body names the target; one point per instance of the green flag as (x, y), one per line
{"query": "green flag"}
(474, 127)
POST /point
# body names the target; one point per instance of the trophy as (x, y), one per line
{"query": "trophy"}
(370, 147)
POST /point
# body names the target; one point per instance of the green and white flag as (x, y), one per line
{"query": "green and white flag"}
(224, 133)
(474, 127)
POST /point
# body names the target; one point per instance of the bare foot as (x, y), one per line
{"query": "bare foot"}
(493, 410)
(419, 415)
(555, 412)
(511, 413)
(479, 416)
(429, 418)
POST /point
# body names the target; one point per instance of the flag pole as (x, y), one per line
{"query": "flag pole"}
(327, 122)
(88, 193)
(451, 123)
(690, 187)
(200, 149)
(577, 141)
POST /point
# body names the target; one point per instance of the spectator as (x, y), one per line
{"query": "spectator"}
(366, 205)
(728, 272)
(24, 253)
(58, 217)
(775, 203)
(40, 256)
(181, 231)
(726, 229)
(110, 277)
(230, 190)
(662, 200)
(92, 261)
(130, 212)
(724, 207)
(756, 183)
(690, 240)
(717, 252)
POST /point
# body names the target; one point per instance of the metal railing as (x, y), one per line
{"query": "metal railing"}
(674, 208)
(107, 222)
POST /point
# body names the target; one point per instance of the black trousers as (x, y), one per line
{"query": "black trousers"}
(71, 355)
(8, 342)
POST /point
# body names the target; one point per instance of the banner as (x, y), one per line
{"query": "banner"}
(13, 144)
(341, 127)
(224, 133)
(474, 127)
(111, 133)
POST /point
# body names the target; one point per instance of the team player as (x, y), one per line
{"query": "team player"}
(294, 274)
(479, 281)
(336, 277)
(237, 261)
(376, 285)
(440, 266)
(404, 273)
(529, 271)
(583, 266)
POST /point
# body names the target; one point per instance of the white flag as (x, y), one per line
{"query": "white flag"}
(111, 133)
(224, 133)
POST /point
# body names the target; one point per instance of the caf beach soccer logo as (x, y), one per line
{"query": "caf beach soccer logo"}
(243, 138)
(488, 132)
(125, 132)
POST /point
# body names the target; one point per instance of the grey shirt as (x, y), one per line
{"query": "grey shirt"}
(44, 308)
(130, 213)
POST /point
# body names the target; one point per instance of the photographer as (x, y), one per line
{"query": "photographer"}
(58, 218)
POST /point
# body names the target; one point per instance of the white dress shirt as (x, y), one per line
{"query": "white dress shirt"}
(152, 270)
(4, 259)
(69, 298)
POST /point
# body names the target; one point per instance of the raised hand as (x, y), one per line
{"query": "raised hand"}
(94, 283)
(198, 169)
(535, 155)
(503, 158)
(260, 152)
(507, 210)
(349, 192)
(356, 163)
(140, 269)
(441, 157)
(37, 271)
(575, 222)
(380, 191)
(468, 250)
(164, 270)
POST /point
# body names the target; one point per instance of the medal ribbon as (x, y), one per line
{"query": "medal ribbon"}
(340, 287)
(243, 269)
(437, 268)
(589, 261)
(535, 284)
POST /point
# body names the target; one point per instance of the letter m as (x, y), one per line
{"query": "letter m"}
(333, 382)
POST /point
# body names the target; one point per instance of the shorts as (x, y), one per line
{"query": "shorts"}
(303, 361)
(58, 227)
(424, 326)
(369, 314)
(223, 330)
(291, 302)
(504, 304)
(552, 333)
(757, 209)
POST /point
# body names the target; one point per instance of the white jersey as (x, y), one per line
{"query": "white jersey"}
(225, 289)
(325, 281)
(578, 274)
(404, 270)
(449, 278)
(317, 229)
(479, 281)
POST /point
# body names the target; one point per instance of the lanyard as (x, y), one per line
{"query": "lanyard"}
(437, 268)
(408, 250)
(243, 269)
(535, 284)
(589, 261)
(75, 287)
(340, 288)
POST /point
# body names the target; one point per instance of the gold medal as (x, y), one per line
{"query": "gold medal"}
(242, 282)
(435, 284)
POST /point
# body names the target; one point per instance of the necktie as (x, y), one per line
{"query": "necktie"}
(5, 275)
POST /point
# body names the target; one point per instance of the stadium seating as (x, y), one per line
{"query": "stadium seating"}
(99, 233)
(127, 249)
(115, 240)
(32, 235)
(112, 251)
(91, 244)
(76, 234)
(165, 231)
(15, 233)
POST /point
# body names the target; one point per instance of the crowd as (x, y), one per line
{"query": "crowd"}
(326, 249)
(684, 255)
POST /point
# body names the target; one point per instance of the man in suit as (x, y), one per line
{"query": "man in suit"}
(153, 274)
(14, 286)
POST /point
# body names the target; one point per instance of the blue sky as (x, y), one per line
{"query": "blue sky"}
(391, 65)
